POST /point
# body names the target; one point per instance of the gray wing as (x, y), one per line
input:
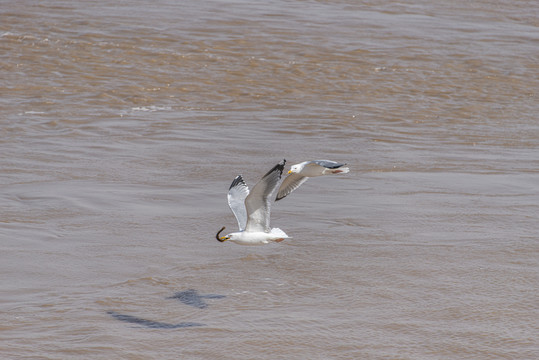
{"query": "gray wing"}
(291, 183)
(328, 164)
(237, 193)
(258, 203)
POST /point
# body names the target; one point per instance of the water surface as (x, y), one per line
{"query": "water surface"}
(123, 125)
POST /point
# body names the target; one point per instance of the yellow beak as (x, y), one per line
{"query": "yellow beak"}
(290, 171)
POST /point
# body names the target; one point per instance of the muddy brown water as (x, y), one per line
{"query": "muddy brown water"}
(123, 123)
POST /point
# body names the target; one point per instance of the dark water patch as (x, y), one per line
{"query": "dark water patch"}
(193, 298)
(151, 324)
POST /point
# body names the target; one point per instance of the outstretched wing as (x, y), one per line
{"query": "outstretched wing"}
(290, 183)
(237, 193)
(328, 164)
(258, 202)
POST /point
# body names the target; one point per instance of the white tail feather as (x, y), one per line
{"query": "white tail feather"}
(279, 232)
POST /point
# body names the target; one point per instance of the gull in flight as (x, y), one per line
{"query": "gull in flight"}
(252, 210)
(299, 173)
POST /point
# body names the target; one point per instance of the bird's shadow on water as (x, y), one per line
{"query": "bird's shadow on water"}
(193, 298)
(151, 324)
(189, 297)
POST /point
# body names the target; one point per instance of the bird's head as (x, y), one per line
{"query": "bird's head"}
(221, 238)
(295, 169)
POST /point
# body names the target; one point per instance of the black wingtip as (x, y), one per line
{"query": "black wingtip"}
(237, 180)
(279, 167)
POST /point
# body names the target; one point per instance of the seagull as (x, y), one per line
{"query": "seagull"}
(299, 173)
(252, 210)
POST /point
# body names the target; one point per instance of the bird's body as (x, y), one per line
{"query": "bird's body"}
(299, 173)
(257, 237)
(252, 210)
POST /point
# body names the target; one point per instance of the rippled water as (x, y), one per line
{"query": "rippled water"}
(124, 123)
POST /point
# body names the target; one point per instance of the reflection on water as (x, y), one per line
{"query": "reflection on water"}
(123, 125)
